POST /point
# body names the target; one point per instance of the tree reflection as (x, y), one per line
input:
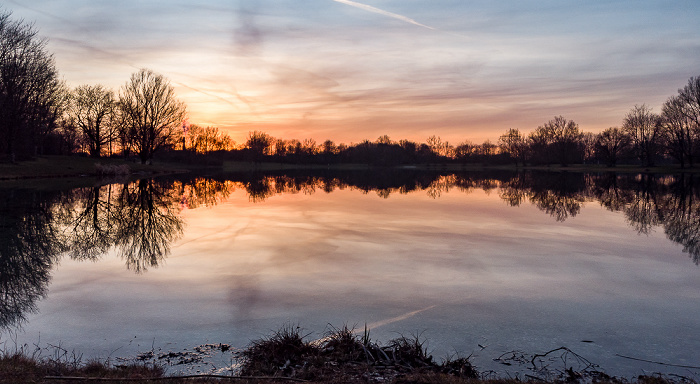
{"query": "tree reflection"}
(561, 195)
(201, 191)
(30, 243)
(681, 215)
(92, 227)
(147, 213)
(140, 220)
(649, 201)
(513, 191)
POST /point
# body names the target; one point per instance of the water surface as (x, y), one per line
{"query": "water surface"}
(476, 264)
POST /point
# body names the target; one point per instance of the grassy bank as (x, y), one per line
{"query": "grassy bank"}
(341, 356)
(60, 172)
(233, 166)
(76, 166)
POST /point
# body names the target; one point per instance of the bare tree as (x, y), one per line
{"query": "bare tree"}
(280, 148)
(206, 139)
(466, 151)
(644, 128)
(31, 95)
(690, 95)
(310, 148)
(150, 113)
(558, 139)
(383, 139)
(91, 111)
(610, 144)
(513, 143)
(680, 133)
(681, 123)
(260, 144)
(439, 147)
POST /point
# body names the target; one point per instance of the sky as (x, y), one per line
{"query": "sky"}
(354, 70)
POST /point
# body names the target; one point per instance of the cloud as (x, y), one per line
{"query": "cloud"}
(382, 12)
(247, 35)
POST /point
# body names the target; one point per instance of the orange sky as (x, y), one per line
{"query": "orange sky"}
(349, 71)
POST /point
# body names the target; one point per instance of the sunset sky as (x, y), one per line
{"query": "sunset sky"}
(353, 70)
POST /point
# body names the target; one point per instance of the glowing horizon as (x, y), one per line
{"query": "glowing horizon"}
(354, 70)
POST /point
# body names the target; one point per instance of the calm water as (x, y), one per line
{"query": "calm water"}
(477, 264)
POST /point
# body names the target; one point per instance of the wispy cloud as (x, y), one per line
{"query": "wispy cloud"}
(382, 12)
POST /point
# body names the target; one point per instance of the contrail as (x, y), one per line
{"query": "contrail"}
(383, 12)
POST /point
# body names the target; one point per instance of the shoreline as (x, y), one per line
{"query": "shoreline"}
(341, 355)
(78, 167)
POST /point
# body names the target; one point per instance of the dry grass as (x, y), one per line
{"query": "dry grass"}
(340, 357)
(343, 356)
(19, 368)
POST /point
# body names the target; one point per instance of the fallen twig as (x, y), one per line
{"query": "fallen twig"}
(588, 364)
(657, 362)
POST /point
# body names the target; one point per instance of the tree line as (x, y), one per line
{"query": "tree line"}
(39, 114)
(645, 138)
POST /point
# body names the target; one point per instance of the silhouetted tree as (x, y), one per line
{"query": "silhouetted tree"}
(681, 123)
(207, 139)
(466, 152)
(32, 97)
(680, 135)
(309, 147)
(611, 144)
(487, 149)
(559, 138)
(538, 144)
(513, 143)
(91, 111)
(260, 144)
(410, 150)
(150, 113)
(587, 144)
(439, 147)
(690, 95)
(329, 151)
(384, 139)
(644, 129)
(280, 148)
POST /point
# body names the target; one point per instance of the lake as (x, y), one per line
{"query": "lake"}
(497, 266)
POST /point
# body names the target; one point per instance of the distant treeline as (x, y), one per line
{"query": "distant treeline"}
(40, 115)
(645, 138)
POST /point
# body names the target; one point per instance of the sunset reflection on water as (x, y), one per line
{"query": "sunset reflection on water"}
(460, 266)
